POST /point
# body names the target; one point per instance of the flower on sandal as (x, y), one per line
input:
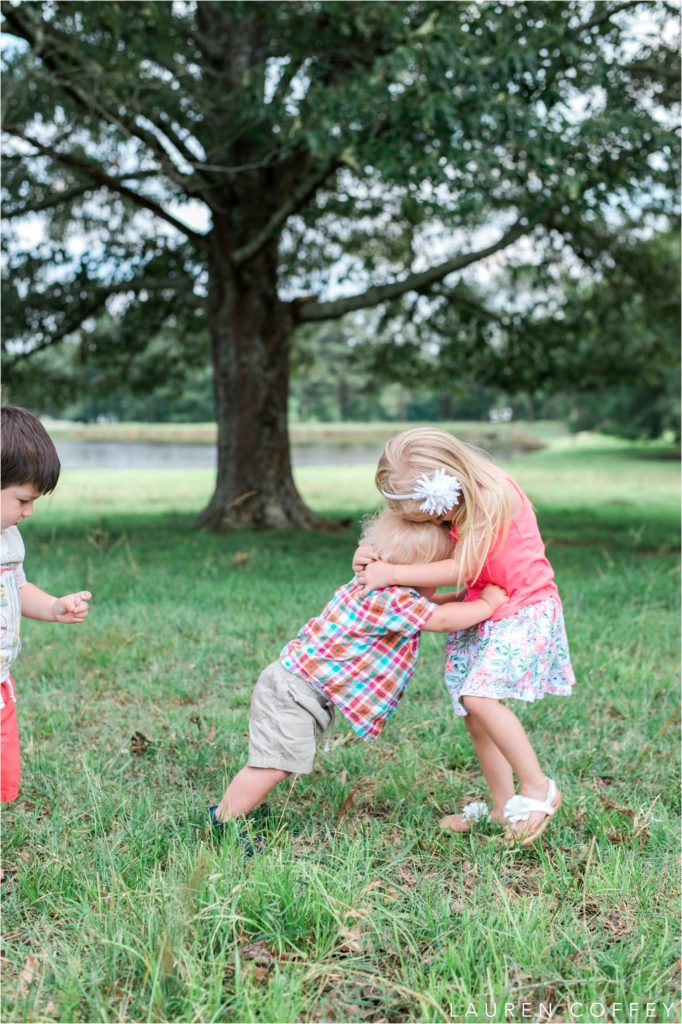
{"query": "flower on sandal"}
(476, 811)
(516, 810)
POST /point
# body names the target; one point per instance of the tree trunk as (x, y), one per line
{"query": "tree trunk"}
(251, 339)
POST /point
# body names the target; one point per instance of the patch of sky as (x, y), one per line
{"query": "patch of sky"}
(10, 45)
(184, 8)
(296, 88)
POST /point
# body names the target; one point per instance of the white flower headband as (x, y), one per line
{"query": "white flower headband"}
(439, 492)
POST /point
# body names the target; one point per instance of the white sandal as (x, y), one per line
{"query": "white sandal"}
(519, 808)
(471, 814)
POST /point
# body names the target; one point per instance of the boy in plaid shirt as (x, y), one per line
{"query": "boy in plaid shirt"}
(357, 655)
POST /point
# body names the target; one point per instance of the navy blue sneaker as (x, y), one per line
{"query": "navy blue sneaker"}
(252, 842)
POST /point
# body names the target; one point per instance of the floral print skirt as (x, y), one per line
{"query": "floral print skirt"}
(524, 656)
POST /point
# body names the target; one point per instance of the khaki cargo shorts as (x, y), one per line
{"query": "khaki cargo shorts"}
(288, 718)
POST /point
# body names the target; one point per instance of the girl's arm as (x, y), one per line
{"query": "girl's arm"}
(460, 615)
(379, 574)
(452, 595)
(365, 557)
(375, 573)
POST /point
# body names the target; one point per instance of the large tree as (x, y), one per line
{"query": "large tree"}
(257, 166)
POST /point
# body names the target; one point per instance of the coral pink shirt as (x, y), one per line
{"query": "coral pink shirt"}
(519, 565)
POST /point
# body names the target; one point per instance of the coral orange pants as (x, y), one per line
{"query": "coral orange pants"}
(10, 768)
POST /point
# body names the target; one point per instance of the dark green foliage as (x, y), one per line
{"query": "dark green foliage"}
(354, 143)
(644, 411)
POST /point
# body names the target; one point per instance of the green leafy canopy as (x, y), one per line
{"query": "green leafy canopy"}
(370, 151)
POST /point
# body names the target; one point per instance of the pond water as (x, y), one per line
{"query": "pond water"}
(146, 455)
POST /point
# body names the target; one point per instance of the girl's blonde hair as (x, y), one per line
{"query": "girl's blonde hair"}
(396, 539)
(480, 521)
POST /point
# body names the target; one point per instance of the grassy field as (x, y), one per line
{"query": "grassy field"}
(119, 907)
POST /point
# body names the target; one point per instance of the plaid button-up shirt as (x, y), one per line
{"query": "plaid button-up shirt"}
(361, 651)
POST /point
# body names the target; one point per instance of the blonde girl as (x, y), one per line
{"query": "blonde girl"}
(521, 651)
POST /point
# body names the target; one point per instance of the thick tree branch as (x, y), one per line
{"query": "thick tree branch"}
(71, 323)
(296, 200)
(65, 196)
(364, 58)
(179, 143)
(604, 12)
(286, 78)
(413, 282)
(97, 302)
(55, 199)
(459, 296)
(64, 73)
(98, 175)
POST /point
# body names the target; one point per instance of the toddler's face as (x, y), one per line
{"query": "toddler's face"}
(16, 503)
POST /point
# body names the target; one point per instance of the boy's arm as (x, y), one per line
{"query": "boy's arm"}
(37, 604)
(462, 614)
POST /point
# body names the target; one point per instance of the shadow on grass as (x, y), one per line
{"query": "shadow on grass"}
(620, 526)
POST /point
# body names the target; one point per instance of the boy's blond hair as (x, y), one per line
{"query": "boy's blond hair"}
(481, 521)
(396, 539)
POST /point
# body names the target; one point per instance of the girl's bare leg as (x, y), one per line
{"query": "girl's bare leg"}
(508, 735)
(247, 789)
(497, 771)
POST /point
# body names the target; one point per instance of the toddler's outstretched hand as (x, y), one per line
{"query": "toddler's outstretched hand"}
(362, 557)
(72, 608)
(494, 595)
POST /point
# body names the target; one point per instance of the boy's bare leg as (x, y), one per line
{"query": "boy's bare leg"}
(247, 789)
(497, 771)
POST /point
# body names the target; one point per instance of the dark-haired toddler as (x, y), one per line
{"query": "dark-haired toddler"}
(30, 468)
